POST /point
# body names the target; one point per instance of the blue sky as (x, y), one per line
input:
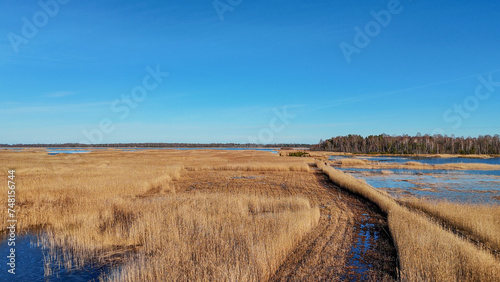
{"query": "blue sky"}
(242, 71)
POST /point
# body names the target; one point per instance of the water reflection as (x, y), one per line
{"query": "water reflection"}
(367, 235)
(465, 186)
(423, 160)
(30, 264)
(57, 152)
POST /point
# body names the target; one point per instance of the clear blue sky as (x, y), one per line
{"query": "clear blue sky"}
(229, 68)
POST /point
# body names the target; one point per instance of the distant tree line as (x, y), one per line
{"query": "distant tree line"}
(420, 144)
(160, 145)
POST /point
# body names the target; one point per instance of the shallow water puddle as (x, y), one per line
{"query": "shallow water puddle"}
(57, 152)
(366, 237)
(29, 264)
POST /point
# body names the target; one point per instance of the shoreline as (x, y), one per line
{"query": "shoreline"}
(413, 165)
(443, 156)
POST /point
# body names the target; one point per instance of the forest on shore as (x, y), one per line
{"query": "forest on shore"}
(405, 144)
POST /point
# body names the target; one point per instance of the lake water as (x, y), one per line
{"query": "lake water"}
(423, 160)
(53, 152)
(465, 186)
(30, 264)
(77, 150)
(402, 171)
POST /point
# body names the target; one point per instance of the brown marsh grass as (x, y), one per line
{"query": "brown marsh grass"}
(479, 221)
(360, 187)
(216, 237)
(253, 167)
(122, 207)
(326, 251)
(128, 208)
(427, 252)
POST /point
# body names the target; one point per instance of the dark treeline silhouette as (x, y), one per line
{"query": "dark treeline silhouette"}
(420, 144)
(159, 145)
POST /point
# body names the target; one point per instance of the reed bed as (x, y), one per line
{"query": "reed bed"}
(254, 167)
(482, 222)
(360, 187)
(216, 237)
(427, 252)
(122, 208)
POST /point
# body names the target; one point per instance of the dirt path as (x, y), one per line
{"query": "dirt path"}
(351, 241)
(355, 245)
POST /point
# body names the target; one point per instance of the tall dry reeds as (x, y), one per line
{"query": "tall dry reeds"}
(123, 207)
(481, 222)
(253, 167)
(358, 186)
(427, 252)
(216, 237)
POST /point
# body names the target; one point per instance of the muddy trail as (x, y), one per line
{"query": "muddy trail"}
(351, 241)
(352, 247)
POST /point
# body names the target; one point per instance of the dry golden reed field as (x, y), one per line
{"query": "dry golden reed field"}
(114, 205)
(427, 249)
(163, 215)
